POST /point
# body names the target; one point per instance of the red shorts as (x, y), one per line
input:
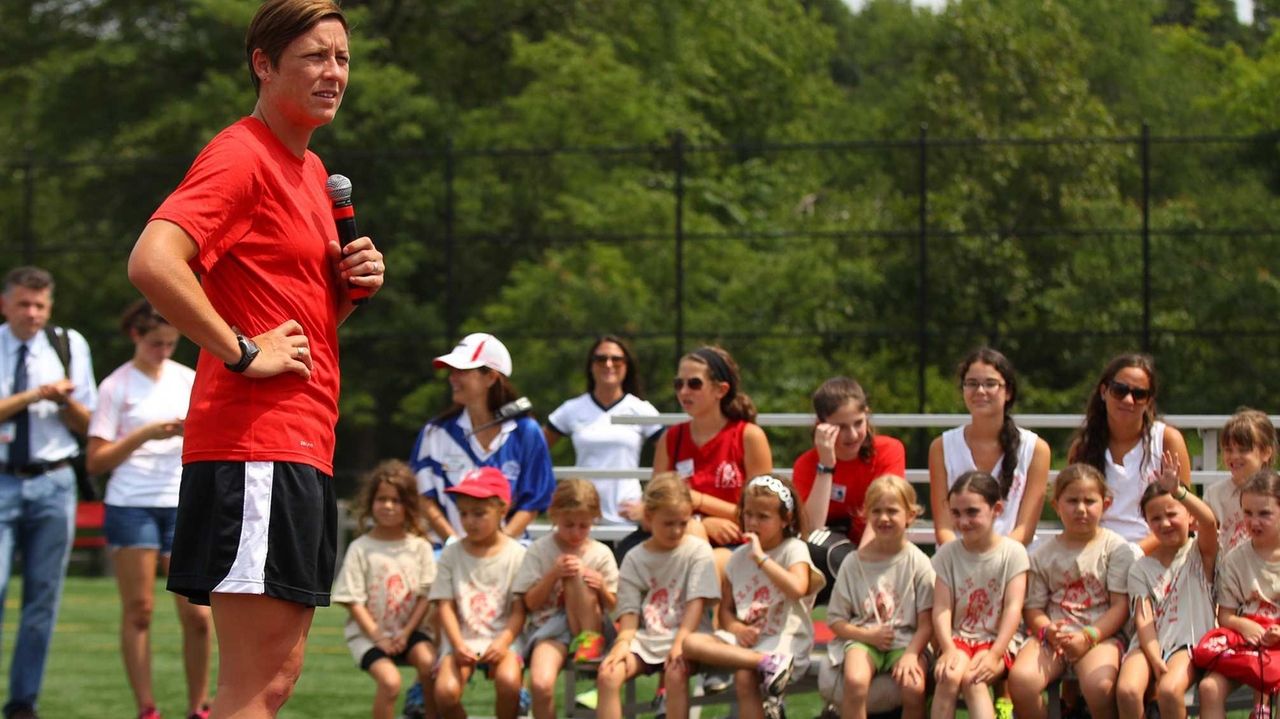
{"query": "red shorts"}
(972, 648)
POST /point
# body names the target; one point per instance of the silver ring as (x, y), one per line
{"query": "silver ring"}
(301, 352)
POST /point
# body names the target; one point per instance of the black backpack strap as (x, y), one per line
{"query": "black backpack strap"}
(61, 343)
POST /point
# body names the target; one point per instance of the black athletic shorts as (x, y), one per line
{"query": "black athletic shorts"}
(402, 658)
(255, 528)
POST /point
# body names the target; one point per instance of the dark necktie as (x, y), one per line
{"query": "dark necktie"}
(20, 448)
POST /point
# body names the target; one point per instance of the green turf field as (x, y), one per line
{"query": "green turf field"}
(86, 678)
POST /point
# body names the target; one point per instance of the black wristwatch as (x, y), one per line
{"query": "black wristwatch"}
(248, 350)
(824, 469)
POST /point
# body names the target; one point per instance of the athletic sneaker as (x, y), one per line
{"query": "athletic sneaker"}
(775, 673)
(588, 699)
(1260, 711)
(773, 708)
(1004, 708)
(526, 701)
(201, 713)
(660, 704)
(149, 713)
(588, 646)
(414, 707)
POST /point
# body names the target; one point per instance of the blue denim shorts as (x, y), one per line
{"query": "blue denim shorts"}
(140, 527)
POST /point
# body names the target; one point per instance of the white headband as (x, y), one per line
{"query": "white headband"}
(774, 485)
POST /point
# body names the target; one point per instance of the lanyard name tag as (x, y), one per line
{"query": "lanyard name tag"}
(8, 430)
(684, 468)
(837, 493)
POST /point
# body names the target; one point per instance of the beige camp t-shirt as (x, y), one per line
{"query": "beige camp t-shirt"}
(1224, 499)
(1180, 595)
(785, 624)
(1249, 584)
(540, 560)
(387, 577)
(1076, 584)
(658, 585)
(480, 588)
(892, 591)
(977, 583)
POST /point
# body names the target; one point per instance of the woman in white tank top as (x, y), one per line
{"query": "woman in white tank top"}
(991, 443)
(1123, 439)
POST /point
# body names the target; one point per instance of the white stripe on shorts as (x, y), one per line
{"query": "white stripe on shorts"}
(247, 572)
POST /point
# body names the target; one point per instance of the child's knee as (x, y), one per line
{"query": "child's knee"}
(1170, 689)
(447, 689)
(542, 684)
(1025, 679)
(388, 683)
(1213, 690)
(611, 679)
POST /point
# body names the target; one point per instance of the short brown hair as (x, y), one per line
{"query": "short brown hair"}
(30, 277)
(279, 22)
(575, 495)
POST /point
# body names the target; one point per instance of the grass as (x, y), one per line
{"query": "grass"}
(85, 677)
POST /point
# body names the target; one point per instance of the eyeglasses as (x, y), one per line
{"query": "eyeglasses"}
(695, 383)
(1120, 390)
(606, 359)
(990, 385)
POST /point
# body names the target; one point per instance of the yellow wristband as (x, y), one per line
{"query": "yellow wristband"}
(760, 562)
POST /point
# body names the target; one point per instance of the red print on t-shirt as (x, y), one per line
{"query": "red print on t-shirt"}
(656, 608)
(480, 610)
(1078, 596)
(977, 610)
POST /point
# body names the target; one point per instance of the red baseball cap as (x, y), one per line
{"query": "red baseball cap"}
(482, 483)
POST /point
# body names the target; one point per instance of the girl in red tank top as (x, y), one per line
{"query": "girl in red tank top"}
(719, 449)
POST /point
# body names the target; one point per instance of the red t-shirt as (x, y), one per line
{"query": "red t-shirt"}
(717, 468)
(849, 484)
(261, 220)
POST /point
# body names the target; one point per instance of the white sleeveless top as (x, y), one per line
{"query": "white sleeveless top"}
(1128, 481)
(958, 459)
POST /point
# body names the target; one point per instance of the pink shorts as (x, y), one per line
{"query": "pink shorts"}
(972, 648)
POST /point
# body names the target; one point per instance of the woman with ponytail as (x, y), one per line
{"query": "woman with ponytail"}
(719, 449)
(992, 442)
(1124, 439)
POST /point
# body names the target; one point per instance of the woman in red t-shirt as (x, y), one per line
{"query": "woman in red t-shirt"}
(719, 449)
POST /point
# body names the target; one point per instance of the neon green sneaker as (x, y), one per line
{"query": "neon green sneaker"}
(1004, 708)
(588, 699)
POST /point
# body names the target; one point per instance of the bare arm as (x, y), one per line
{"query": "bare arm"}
(436, 519)
(1024, 530)
(158, 268)
(1015, 592)
(518, 522)
(942, 529)
(818, 504)
(1145, 628)
(104, 456)
(757, 457)
(793, 580)
(942, 616)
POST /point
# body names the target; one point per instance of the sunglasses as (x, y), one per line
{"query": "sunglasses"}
(695, 383)
(1120, 390)
(606, 359)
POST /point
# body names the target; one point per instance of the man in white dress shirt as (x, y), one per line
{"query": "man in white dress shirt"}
(43, 405)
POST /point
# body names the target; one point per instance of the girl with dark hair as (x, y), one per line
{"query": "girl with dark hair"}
(467, 436)
(847, 454)
(136, 435)
(992, 442)
(718, 449)
(1123, 438)
(613, 390)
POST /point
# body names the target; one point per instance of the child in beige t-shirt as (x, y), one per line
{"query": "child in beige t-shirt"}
(383, 584)
(1248, 446)
(480, 617)
(1077, 600)
(1172, 597)
(767, 596)
(882, 607)
(977, 598)
(666, 587)
(568, 582)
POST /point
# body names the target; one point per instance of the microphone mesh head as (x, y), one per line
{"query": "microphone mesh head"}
(338, 187)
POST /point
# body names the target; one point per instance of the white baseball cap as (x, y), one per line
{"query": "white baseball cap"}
(479, 349)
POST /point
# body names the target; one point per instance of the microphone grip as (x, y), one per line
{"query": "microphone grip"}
(344, 217)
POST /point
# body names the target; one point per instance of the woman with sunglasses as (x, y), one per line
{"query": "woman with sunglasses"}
(719, 449)
(613, 390)
(993, 443)
(1122, 437)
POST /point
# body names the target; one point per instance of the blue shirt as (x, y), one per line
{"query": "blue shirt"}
(51, 441)
(443, 453)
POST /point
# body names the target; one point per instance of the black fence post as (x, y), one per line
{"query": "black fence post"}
(28, 207)
(677, 150)
(922, 269)
(450, 288)
(1146, 237)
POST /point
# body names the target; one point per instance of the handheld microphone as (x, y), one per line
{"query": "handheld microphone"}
(344, 217)
(516, 408)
